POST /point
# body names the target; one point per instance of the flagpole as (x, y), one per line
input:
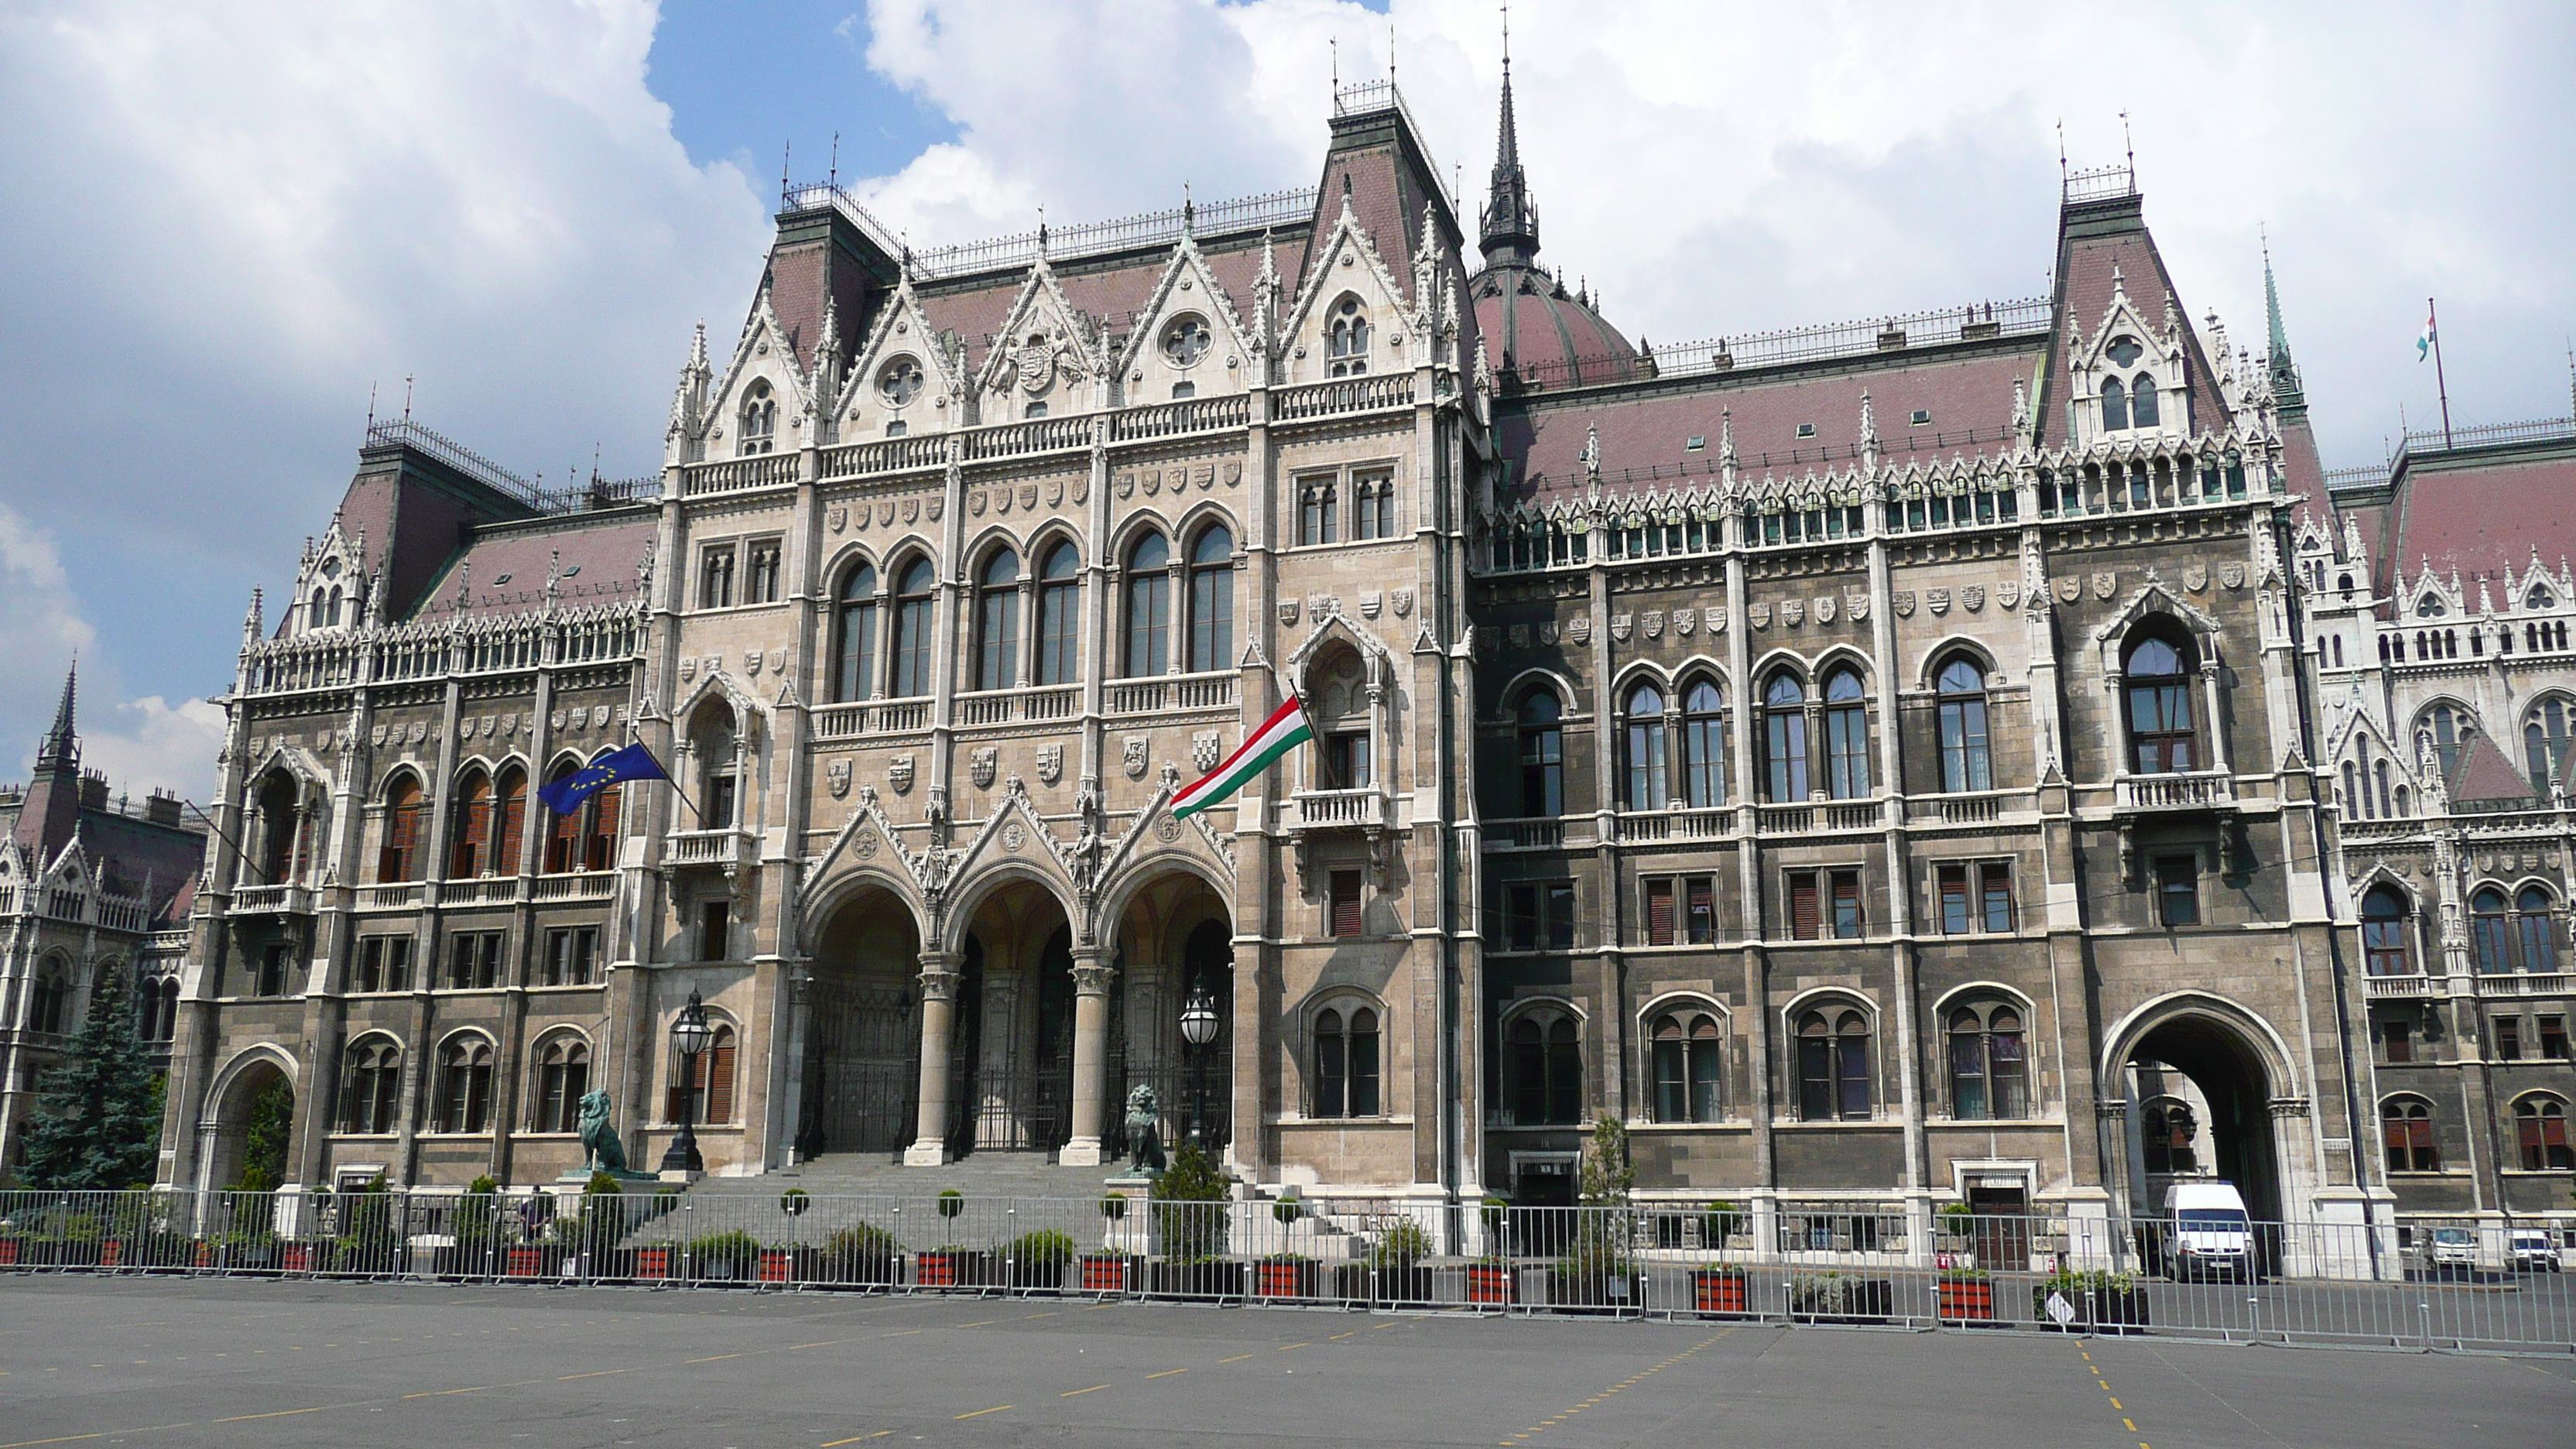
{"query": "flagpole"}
(2433, 323)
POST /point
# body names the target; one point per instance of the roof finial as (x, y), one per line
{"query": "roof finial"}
(2130, 149)
(785, 157)
(833, 176)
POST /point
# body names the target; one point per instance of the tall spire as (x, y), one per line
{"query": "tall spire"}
(1511, 220)
(61, 749)
(2286, 391)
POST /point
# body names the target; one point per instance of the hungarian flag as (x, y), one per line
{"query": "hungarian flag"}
(1284, 730)
(2424, 344)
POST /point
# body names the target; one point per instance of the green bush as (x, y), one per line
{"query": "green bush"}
(2075, 1281)
(1046, 1245)
(1287, 1210)
(1189, 1207)
(733, 1253)
(1724, 1220)
(1113, 1207)
(862, 1240)
(1403, 1244)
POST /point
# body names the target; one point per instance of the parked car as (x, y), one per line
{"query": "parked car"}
(2453, 1248)
(2534, 1251)
(2205, 1231)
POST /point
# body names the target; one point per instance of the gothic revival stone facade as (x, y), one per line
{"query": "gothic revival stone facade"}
(1874, 762)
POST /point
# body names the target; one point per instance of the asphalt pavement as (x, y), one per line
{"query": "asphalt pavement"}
(197, 1361)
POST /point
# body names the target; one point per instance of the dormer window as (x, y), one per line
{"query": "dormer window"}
(2123, 351)
(1806, 430)
(1348, 340)
(759, 431)
(1922, 418)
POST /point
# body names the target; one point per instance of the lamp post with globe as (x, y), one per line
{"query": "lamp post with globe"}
(1198, 1028)
(689, 1037)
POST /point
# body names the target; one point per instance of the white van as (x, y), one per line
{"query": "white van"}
(2205, 1231)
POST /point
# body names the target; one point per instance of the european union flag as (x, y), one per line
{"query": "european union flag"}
(634, 762)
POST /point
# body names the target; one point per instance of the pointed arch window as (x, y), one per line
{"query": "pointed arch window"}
(1149, 607)
(1703, 745)
(2115, 405)
(398, 858)
(50, 1003)
(710, 1078)
(1833, 1066)
(997, 622)
(2490, 933)
(1989, 1074)
(599, 834)
(1846, 735)
(2142, 402)
(1690, 1066)
(1547, 1070)
(370, 1085)
(2406, 1126)
(1648, 788)
(2541, 1125)
(279, 828)
(1784, 739)
(470, 826)
(563, 850)
(2545, 738)
(1542, 754)
(2535, 938)
(1059, 615)
(1212, 600)
(2448, 729)
(854, 624)
(2159, 697)
(2384, 933)
(563, 1078)
(509, 822)
(1347, 339)
(916, 600)
(1967, 763)
(759, 420)
(465, 1085)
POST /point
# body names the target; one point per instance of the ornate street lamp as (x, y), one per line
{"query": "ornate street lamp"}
(1198, 1028)
(689, 1037)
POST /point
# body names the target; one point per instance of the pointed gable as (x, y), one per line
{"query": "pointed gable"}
(2095, 239)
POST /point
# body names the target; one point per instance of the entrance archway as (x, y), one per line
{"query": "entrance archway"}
(2208, 1088)
(1175, 935)
(254, 1128)
(1011, 1039)
(863, 1054)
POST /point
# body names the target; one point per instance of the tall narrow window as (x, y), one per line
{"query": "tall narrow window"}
(715, 576)
(760, 578)
(1212, 600)
(1345, 917)
(997, 622)
(509, 822)
(916, 596)
(2115, 405)
(465, 1085)
(1699, 910)
(1966, 763)
(1547, 1071)
(2178, 890)
(1364, 1075)
(1318, 511)
(398, 859)
(2534, 939)
(2406, 1126)
(1784, 739)
(1659, 912)
(1542, 742)
(2142, 401)
(1059, 658)
(373, 1084)
(1332, 1066)
(717, 1061)
(2545, 739)
(571, 953)
(1347, 340)
(2490, 933)
(854, 659)
(1847, 735)
(599, 829)
(1647, 788)
(563, 1077)
(2449, 729)
(470, 827)
(563, 832)
(1833, 1067)
(1149, 607)
(1846, 904)
(1703, 745)
(1806, 912)
(2159, 690)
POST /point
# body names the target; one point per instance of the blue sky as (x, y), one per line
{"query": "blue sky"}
(226, 224)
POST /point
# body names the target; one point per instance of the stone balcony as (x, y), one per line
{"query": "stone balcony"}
(2197, 790)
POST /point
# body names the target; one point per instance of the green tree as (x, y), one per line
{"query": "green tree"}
(1606, 1173)
(272, 1122)
(97, 1125)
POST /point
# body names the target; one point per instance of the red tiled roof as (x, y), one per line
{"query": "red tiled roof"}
(1649, 429)
(2485, 774)
(2084, 288)
(2482, 517)
(1530, 326)
(605, 547)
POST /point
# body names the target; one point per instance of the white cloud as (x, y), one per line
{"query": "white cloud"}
(150, 743)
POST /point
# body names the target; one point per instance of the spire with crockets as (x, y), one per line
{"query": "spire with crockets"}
(1511, 219)
(61, 749)
(2286, 393)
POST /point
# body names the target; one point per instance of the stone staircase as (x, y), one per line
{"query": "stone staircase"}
(978, 1175)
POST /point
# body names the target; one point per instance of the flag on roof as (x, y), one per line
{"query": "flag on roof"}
(2424, 344)
(1283, 731)
(634, 762)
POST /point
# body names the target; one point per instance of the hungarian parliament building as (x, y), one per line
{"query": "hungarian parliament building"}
(1971, 756)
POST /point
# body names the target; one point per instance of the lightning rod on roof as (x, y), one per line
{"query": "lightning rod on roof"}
(832, 178)
(406, 397)
(785, 159)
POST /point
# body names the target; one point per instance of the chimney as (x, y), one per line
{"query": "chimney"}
(162, 808)
(93, 790)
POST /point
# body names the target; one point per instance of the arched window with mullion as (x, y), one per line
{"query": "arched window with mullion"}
(915, 605)
(1648, 785)
(1966, 761)
(1833, 1067)
(1846, 735)
(1059, 658)
(1212, 600)
(469, 826)
(1546, 1069)
(2545, 739)
(1690, 1063)
(997, 621)
(2534, 930)
(2406, 1127)
(1542, 754)
(854, 657)
(2383, 933)
(398, 858)
(1989, 1077)
(2490, 932)
(1784, 739)
(1703, 745)
(2448, 728)
(509, 821)
(2160, 718)
(1149, 607)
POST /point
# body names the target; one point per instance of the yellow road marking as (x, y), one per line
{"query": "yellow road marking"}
(1167, 1373)
(1027, 1316)
(596, 1374)
(907, 1333)
(2115, 1403)
(715, 1358)
(855, 1438)
(979, 1413)
(826, 1343)
(1095, 1388)
(1283, 1348)
(1238, 1358)
(980, 1323)
(2133, 1427)
(1338, 1337)
(279, 1414)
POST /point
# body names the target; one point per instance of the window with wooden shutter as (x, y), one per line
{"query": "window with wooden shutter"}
(1346, 903)
(1659, 913)
(510, 814)
(602, 850)
(1954, 900)
(1805, 921)
(1847, 922)
(718, 1059)
(472, 828)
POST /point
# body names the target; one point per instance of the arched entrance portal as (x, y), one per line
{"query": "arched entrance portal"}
(2200, 1107)
(1175, 936)
(863, 1053)
(1011, 1040)
(254, 1126)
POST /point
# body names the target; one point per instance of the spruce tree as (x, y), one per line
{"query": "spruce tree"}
(96, 1127)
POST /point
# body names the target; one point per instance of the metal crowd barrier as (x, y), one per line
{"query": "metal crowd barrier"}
(2483, 1286)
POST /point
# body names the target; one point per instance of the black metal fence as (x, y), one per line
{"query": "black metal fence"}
(2484, 1287)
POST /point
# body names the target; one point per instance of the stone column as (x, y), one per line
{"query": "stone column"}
(938, 1009)
(1091, 980)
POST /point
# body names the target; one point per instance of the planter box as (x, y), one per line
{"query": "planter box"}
(1967, 1300)
(9, 1250)
(542, 1260)
(778, 1265)
(1296, 1279)
(1045, 1274)
(1108, 1273)
(1493, 1283)
(111, 1254)
(1590, 1290)
(859, 1268)
(1844, 1300)
(952, 1268)
(295, 1257)
(656, 1262)
(1393, 1283)
(1719, 1292)
(2101, 1311)
(1208, 1278)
